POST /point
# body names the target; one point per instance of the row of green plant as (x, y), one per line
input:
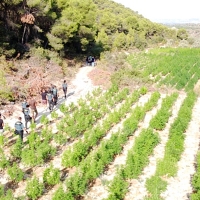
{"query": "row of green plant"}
(196, 180)
(169, 66)
(137, 159)
(159, 121)
(38, 148)
(94, 164)
(173, 149)
(76, 153)
(35, 151)
(138, 155)
(88, 113)
(34, 187)
(67, 109)
(30, 151)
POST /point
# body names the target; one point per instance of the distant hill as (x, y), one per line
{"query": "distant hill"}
(178, 21)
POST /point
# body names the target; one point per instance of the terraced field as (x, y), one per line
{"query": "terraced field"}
(110, 144)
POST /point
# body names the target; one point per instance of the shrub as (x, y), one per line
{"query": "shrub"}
(51, 176)
(15, 173)
(34, 188)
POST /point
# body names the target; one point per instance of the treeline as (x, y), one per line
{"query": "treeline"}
(75, 26)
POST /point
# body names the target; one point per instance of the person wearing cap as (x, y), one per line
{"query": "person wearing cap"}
(19, 128)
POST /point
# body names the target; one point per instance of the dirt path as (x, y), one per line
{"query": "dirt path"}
(78, 87)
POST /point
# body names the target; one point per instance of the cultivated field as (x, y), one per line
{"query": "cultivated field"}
(115, 143)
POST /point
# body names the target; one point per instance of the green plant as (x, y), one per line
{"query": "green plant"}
(15, 173)
(143, 90)
(54, 115)
(34, 188)
(118, 188)
(4, 162)
(155, 185)
(44, 120)
(51, 176)
(60, 138)
(16, 149)
(61, 194)
(6, 195)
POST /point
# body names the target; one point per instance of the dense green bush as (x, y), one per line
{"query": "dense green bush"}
(51, 176)
(34, 188)
(15, 173)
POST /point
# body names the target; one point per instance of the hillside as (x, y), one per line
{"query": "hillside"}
(129, 128)
(106, 127)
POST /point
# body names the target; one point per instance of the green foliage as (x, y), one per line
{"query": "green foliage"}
(75, 26)
(38, 152)
(15, 173)
(51, 176)
(34, 188)
(5, 92)
(159, 121)
(196, 180)
(16, 149)
(175, 145)
(6, 195)
(137, 158)
(61, 194)
(60, 138)
(169, 66)
(4, 162)
(155, 185)
(44, 120)
(143, 90)
(182, 34)
(118, 188)
(54, 115)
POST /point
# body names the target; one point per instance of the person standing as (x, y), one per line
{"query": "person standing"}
(32, 103)
(50, 100)
(27, 116)
(93, 61)
(19, 128)
(24, 104)
(44, 97)
(55, 95)
(1, 130)
(51, 88)
(64, 87)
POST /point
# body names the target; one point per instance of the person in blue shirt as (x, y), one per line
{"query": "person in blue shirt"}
(24, 104)
(19, 128)
(27, 116)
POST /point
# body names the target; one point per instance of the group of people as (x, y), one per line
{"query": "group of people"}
(90, 60)
(29, 108)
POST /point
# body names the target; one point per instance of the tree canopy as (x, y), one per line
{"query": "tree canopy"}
(74, 26)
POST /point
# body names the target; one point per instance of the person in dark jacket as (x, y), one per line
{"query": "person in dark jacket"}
(19, 128)
(50, 100)
(44, 97)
